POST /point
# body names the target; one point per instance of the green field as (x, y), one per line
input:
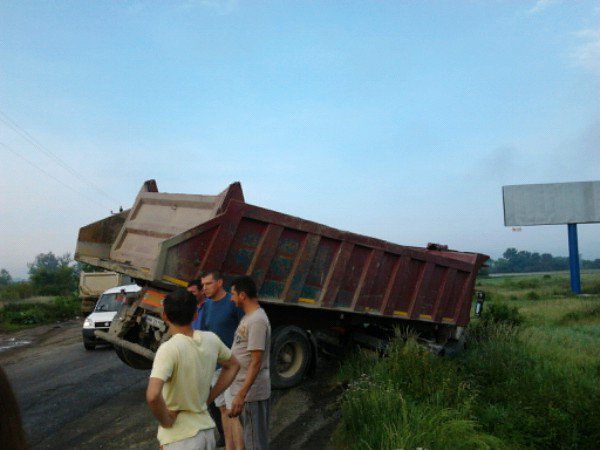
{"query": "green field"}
(35, 299)
(529, 377)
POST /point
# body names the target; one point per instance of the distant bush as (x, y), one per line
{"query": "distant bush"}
(18, 315)
(587, 313)
(593, 289)
(53, 275)
(532, 295)
(528, 283)
(501, 313)
(16, 291)
(522, 261)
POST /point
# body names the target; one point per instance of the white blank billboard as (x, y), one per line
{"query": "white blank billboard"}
(551, 204)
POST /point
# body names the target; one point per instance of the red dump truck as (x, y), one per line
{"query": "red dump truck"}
(318, 285)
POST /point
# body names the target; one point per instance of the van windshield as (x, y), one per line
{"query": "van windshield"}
(110, 302)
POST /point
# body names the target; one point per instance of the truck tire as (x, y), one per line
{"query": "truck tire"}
(89, 346)
(454, 347)
(290, 356)
(132, 359)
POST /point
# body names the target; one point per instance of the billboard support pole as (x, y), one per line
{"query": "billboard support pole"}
(574, 259)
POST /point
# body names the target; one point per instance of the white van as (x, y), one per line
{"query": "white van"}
(106, 308)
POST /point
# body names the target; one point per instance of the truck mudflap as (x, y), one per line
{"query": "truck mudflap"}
(135, 348)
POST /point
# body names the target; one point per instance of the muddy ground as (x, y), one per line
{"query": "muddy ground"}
(71, 398)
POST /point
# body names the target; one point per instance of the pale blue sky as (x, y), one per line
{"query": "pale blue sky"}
(400, 120)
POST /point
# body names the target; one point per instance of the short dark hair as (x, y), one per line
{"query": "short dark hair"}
(195, 282)
(215, 274)
(180, 307)
(246, 285)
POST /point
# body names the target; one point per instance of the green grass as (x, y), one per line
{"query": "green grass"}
(23, 314)
(34, 299)
(529, 379)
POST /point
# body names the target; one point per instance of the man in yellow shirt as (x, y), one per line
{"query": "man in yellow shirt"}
(179, 386)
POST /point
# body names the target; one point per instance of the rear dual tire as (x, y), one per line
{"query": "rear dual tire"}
(291, 353)
(132, 359)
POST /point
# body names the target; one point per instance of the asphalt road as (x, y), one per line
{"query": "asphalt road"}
(71, 398)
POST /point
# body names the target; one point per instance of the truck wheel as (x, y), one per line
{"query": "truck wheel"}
(290, 356)
(89, 346)
(454, 347)
(130, 358)
(133, 359)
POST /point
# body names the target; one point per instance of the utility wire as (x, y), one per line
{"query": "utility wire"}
(28, 137)
(58, 180)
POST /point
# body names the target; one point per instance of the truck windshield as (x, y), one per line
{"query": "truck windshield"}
(110, 302)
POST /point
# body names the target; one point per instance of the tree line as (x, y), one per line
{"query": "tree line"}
(521, 261)
(49, 274)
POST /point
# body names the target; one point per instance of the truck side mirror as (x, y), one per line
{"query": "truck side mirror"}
(479, 304)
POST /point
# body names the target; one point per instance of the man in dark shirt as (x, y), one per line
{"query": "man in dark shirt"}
(195, 287)
(222, 317)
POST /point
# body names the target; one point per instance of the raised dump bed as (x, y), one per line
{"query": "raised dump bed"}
(310, 276)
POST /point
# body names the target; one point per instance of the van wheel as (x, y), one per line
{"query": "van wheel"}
(290, 356)
(89, 346)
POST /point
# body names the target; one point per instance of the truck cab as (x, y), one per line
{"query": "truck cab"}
(108, 305)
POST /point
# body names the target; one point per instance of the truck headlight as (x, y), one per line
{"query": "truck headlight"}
(88, 323)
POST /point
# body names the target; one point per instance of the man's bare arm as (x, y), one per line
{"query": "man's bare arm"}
(157, 404)
(229, 370)
(256, 357)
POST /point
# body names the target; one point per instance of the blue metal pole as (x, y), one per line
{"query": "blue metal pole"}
(574, 259)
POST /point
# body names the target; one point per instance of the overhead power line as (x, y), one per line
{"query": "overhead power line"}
(58, 180)
(41, 147)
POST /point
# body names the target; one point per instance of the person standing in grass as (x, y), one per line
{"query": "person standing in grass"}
(251, 388)
(179, 385)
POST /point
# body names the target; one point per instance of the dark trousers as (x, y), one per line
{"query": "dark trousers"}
(215, 413)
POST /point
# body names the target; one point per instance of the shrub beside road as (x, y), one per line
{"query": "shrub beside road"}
(17, 315)
(48, 296)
